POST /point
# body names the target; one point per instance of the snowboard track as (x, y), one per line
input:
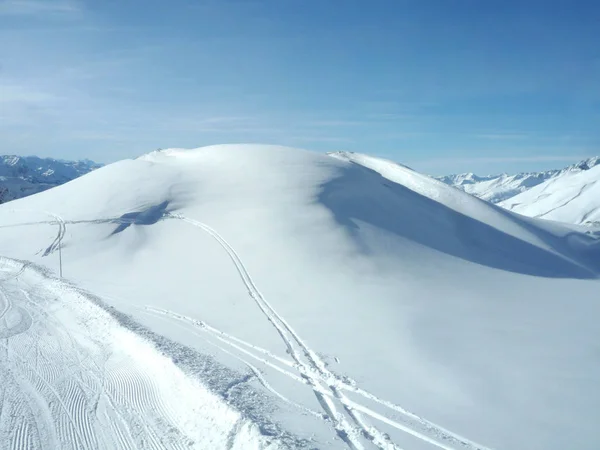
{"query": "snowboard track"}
(345, 415)
(84, 383)
(314, 372)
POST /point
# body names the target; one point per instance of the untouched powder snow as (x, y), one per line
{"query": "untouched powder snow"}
(303, 301)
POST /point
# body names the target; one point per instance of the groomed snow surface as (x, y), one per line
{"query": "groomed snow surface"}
(266, 297)
(73, 377)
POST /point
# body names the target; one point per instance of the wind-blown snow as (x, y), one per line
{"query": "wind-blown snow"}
(367, 305)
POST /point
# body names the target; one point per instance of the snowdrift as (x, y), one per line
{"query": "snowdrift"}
(376, 307)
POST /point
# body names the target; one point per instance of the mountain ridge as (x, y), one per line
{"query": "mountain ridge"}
(501, 187)
(21, 176)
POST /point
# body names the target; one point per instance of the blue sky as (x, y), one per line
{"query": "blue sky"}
(444, 86)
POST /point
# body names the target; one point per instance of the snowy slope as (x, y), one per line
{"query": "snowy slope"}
(357, 303)
(72, 377)
(498, 188)
(574, 197)
(21, 176)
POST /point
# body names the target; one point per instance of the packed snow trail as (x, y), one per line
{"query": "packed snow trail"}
(315, 373)
(72, 377)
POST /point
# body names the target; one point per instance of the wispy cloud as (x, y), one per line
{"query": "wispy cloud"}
(330, 139)
(37, 7)
(217, 124)
(15, 93)
(390, 116)
(336, 123)
(502, 136)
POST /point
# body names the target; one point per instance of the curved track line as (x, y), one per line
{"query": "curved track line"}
(161, 313)
(67, 377)
(62, 229)
(79, 363)
(212, 330)
(56, 395)
(348, 433)
(315, 371)
(158, 313)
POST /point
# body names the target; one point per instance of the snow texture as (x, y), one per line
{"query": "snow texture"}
(250, 296)
(573, 197)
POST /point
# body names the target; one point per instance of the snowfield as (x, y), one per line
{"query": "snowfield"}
(253, 296)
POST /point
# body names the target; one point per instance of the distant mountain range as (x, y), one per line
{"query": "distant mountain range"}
(570, 195)
(21, 176)
(497, 188)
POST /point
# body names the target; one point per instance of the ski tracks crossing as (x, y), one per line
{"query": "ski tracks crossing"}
(345, 415)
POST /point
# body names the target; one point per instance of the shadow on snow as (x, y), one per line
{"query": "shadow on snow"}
(148, 216)
(360, 194)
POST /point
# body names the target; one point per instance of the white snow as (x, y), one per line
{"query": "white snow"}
(499, 188)
(573, 197)
(351, 302)
(74, 378)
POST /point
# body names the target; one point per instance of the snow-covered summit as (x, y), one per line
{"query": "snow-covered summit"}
(572, 197)
(354, 302)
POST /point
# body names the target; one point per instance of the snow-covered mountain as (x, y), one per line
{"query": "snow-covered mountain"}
(21, 176)
(498, 188)
(236, 297)
(573, 197)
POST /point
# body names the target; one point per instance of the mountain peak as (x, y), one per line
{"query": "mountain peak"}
(501, 187)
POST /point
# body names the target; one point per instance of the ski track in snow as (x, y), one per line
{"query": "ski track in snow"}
(128, 392)
(566, 202)
(62, 229)
(314, 372)
(64, 387)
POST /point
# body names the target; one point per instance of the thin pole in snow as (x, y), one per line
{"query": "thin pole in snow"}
(60, 257)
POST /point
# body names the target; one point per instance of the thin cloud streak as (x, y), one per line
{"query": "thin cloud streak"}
(14, 93)
(38, 7)
(502, 136)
